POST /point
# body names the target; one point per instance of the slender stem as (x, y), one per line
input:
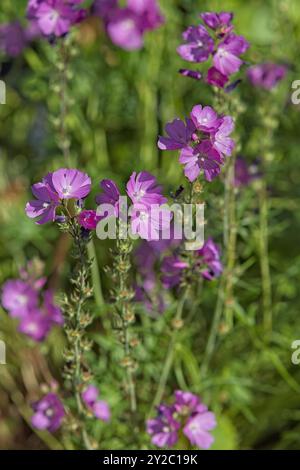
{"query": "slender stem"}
(63, 140)
(210, 345)
(126, 314)
(264, 258)
(230, 240)
(76, 322)
(170, 353)
(96, 278)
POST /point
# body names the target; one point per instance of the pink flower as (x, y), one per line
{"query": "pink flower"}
(71, 183)
(142, 188)
(100, 408)
(197, 429)
(88, 219)
(55, 16)
(48, 413)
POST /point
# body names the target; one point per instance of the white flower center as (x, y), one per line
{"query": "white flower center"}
(67, 190)
(139, 194)
(22, 299)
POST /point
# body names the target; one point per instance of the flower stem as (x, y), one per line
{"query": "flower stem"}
(124, 311)
(76, 322)
(264, 258)
(96, 278)
(211, 342)
(230, 241)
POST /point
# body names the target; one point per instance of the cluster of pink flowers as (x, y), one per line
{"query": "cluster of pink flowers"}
(55, 17)
(27, 300)
(220, 42)
(127, 26)
(148, 217)
(187, 414)
(203, 140)
(266, 75)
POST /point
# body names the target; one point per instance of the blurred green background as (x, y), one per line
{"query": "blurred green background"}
(118, 104)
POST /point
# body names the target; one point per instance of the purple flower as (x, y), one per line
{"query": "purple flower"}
(221, 140)
(18, 297)
(148, 11)
(48, 413)
(199, 45)
(210, 263)
(149, 221)
(12, 38)
(21, 297)
(124, 30)
(88, 219)
(172, 268)
(219, 22)
(164, 428)
(142, 188)
(52, 310)
(204, 141)
(45, 204)
(205, 118)
(127, 26)
(185, 402)
(244, 174)
(179, 134)
(197, 429)
(226, 59)
(104, 8)
(191, 73)
(110, 195)
(216, 78)
(35, 325)
(202, 158)
(99, 408)
(55, 16)
(71, 183)
(266, 75)
(188, 414)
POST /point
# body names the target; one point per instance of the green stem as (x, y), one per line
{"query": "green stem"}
(264, 259)
(230, 242)
(123, 304)
(96, 278)
(210, 345)
(170, 353)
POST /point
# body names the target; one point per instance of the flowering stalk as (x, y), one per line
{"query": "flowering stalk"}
(123, 309)
(269, 123)
(60, 87)
(177, 324)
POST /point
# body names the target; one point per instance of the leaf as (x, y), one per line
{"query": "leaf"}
(225, 435)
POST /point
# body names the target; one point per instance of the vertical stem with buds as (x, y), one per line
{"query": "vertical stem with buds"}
(77, 319)
(60, 87)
